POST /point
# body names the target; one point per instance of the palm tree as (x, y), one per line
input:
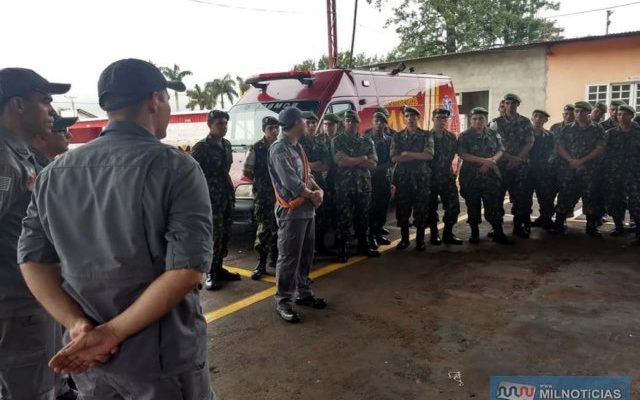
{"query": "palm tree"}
(175, 74)
(223, 87)
(242, 85)
(201, 98)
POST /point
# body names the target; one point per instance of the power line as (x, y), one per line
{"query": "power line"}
(594, 10)
(244, 8)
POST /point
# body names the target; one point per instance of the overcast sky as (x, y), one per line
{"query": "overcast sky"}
(73, 40)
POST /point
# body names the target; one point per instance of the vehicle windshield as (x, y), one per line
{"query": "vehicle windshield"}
(245, 124)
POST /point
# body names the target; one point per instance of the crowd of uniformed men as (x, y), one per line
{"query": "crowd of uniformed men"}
(114, 237)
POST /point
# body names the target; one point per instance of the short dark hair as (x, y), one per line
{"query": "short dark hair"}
(130, 110)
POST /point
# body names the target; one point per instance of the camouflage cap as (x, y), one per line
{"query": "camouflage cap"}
(352, 115)
(569, 107)
(479, 110)
(601, 106)
(543, 112)
(331, 118)
(440, 111)
(409, 109)
(309, 115)
(617, 103)
(584, 105)
(381, 115)
(512, 97)
(269, 121)
(628, 109)
(383, 110)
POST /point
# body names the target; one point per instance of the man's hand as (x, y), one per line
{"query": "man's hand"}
(486, 166)
(317, 198)
(576, 164)
(405, 154)
(87, 349)
(513, 162)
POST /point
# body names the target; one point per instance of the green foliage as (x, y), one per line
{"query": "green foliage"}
(432, 27)
(175, 73)
(359, 60)
(207, 97)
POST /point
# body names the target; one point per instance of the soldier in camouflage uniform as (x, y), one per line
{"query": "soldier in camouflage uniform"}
(567, 118)
(612, 121)
(632, 164)
(516, 132)
(443, 180)
(387, 130)
(622, 142)
(215, 157)
(412, 150)
(256, 168)
(355, 157)
(580, 146)
(599, 110)
(380, 179)
(480, 148)
(541, 170)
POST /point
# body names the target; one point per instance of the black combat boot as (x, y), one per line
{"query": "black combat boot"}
(558, 225)
(380, 239)
(526, 221)
(384, 231)
(448, 237)
(373, 243)
(211, 279)
(364, 247)
(538, 222)
(475, 234)
(592, 227)
(435, 235)
(518, 228)
(404, 238)
(619, 229)
(499, 236)
(261, 267)
(420, 245)
(342, 255)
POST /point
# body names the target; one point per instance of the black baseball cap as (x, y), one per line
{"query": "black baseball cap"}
(129, 81)
(62, 123)
(16, 82)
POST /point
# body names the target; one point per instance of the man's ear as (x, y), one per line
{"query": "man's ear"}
(16, 105)
(153, 103)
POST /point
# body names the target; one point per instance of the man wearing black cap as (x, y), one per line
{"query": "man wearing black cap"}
(46, 147)
(355, 157)
(119, 264)
(580, 146)
(256, 168)
(541, 171)
(480, 148)
(380, 179)
(297, 196)
(517, 136)
(27, 332)
(215, 156)
(443, 180)
(411, 150)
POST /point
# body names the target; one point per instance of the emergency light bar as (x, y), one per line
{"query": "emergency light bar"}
(258, 81)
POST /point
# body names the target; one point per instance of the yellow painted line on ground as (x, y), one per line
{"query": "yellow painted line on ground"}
(246, 273)
(270, 292)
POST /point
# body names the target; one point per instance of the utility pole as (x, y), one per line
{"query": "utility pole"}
(73, 103)
(332, 34)
(609, 12)
(353, 34)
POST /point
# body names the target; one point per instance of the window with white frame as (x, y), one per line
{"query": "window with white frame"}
(597, 93)
(629, 92)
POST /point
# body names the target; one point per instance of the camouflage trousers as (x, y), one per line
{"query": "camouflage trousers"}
(412, 197)
(574, 185)
(514, 181)
(446, 191)
(542, 182)
(615, 193)
(485, 190)
(221, 234)
(380, 197)
(352, 208)
(267, 230)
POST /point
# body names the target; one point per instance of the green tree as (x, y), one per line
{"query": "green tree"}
(344, 58)
(432, 27)
(201, 98)
(223, 87)
(243, 86)
(175, 74)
